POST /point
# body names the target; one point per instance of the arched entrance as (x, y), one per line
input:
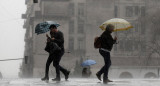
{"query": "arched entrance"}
(150, 75)
(125, 75)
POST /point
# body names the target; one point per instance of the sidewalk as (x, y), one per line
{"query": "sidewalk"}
(80, 82)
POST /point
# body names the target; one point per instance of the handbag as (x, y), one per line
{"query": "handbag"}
(47, 48)
(52, 47)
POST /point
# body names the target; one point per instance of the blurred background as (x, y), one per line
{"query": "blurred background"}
(136, 55)
(11, 36)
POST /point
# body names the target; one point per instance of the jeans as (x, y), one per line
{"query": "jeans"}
(104, 70)
(55, 58)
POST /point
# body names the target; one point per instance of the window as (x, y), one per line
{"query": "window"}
(80, 26)
(135, 11)
(143, 28)
(26, 59)
(81, 9)
(71, 9)
(128, 45)
(80, 44)
(115, 11)
(129, 11)
(30, 34)
(143, 11)
(71, 44)
(71, 27)
(136, 45)
(136, 8)
(136, 27)
(143, 46)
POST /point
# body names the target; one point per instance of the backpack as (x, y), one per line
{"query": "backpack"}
(97, 42)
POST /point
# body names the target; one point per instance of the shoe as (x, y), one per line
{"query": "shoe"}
(56, 79)
(109, 80)
(106, 81)
(98, 76)
(46, 79)
(67, 75)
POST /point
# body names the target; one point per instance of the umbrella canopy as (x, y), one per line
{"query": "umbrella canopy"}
(119, 24)
(44, 26)
(88, 63)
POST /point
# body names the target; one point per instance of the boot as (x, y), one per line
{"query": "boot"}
(109, 80)
(67, 75)
(98, 76)
(106, 81)
(46, 79)
(56, 79)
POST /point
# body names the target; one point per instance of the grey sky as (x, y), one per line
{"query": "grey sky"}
(11, 36)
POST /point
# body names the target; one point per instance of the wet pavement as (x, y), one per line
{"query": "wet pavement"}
(80, 82)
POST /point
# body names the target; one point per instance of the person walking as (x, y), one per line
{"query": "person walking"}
(106, 46)
(57, 39)
(86, 72)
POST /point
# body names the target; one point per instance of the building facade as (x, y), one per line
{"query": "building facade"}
(80, 20)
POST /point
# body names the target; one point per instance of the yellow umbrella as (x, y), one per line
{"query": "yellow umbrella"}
(119, 24)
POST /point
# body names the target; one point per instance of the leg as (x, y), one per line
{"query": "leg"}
(101, 71)
(63, 70)
(57, 58)
(107, 66)
(58, 67)
(107, 61)
(49, 60)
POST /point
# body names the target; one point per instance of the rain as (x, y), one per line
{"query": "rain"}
(127, 30)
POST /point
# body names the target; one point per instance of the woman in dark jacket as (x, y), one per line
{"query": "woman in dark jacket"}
(107, 43)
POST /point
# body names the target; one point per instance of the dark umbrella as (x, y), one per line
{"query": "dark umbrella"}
(44, 26)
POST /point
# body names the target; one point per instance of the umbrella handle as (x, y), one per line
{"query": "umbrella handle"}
(117, 37)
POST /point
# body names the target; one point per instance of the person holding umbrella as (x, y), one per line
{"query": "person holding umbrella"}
(106, 46)
(86, 72)
(106, 42)
(56, 55)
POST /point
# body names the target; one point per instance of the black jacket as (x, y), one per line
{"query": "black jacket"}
(59, 39)
(107, 41)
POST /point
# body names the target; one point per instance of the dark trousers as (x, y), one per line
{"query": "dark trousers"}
(104, 70)
(55, 58)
